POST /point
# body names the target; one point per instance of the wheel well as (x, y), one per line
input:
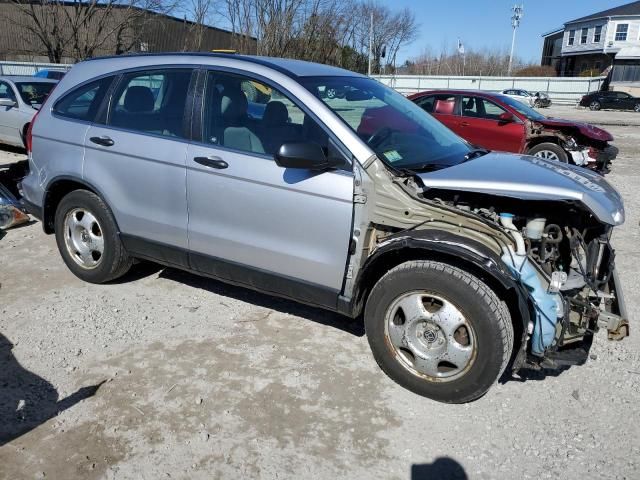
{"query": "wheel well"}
(538, 140)
(386, 262)
(55, 193)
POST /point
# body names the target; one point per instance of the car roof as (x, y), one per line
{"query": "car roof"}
(25, 78)
(479, 93)
(290, 67)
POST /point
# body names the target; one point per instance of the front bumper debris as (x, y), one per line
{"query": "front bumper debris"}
(12, 213)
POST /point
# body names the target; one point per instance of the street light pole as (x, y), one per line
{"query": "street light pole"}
(370, 43)
(518, 13)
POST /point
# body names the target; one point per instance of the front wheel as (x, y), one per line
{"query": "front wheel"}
(438, 331)
(549, 151)
(595, 105)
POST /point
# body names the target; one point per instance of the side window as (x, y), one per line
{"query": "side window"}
(480, 108)
(245, 114)
(622, 95)
(151, 102)
(83, 102)
(426, 103)
(6, 91)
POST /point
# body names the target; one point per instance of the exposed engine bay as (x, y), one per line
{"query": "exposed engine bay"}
(563, 256)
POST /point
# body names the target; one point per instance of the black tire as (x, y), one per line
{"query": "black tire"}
(547, 150)
(636, 107)
(595, 105)
(114, 260)
(487, 315)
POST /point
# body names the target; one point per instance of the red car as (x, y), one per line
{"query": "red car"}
(497, 122)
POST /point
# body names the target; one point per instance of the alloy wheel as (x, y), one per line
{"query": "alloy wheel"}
(430, 336)
(83, 238)
(547, 154)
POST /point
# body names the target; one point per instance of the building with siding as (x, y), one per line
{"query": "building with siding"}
(114, 30)
(595, 42)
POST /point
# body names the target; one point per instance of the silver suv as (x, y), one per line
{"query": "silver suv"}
(463, 262)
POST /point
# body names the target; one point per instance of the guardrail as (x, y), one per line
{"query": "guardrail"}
(29, 68)
(567, 90)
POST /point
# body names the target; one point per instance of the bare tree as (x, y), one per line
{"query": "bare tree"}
(79, 30)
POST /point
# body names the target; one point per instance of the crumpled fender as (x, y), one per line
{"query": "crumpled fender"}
(446, 244)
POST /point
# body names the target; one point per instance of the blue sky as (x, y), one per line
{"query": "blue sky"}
(486, 23)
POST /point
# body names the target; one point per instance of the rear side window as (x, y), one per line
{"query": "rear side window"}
(83, 102)
(426, 103)
(152, 102)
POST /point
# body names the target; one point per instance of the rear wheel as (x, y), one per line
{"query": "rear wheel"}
(595, 105)
(636, 107)
(438, 331)
(88, 240)
(549, 151)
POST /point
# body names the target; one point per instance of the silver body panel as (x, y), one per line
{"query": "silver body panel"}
(531, 178)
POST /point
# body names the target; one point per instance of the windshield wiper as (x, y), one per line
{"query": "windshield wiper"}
(475, 153)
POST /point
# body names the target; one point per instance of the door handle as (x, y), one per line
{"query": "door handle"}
(213, 162)
(104, 141)
(464, 124)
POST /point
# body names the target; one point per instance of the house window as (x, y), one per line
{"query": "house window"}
(583, 35)
(597, 34)
(621, 32)
(572, 36)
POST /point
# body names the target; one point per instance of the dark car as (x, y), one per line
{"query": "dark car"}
(498, 122)
(612, 100)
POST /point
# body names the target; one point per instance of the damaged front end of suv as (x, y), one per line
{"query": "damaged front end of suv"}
(538, 231)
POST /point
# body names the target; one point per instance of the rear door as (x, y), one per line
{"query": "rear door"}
(251, 221)
(136, 157)
(443, 107)
(480, 124)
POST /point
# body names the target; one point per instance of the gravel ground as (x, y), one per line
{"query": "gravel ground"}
(167, 375)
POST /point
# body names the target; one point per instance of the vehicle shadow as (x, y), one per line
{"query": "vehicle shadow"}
(27, 400)
(12, 149)
(318, 315)
(443, 468)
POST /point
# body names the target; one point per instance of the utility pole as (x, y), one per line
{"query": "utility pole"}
(370, 43)
(518, 13)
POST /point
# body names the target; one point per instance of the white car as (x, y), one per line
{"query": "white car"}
(521, 95)
(20, 99)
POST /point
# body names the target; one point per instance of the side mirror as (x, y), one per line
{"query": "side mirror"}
(506, 117)
(7, 102)
(305, 155)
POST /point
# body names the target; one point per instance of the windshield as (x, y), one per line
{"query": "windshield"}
(398, 131)
(520, 107)
(34, 93)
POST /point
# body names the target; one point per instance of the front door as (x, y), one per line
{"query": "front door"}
(138, 159)
(480, 124)
(11, 118)
(251, 221)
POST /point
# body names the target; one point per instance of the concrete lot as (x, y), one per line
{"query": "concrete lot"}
(168, 375)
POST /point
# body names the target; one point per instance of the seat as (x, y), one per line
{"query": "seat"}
(233, 110)
(444, 107)
(469, 108)
(137, 111)
(138, 99)
(275, 128)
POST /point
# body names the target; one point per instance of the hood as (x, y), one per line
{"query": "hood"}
(526, 177)
(584, 128)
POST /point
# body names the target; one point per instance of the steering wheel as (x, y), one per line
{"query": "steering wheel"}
(379, 136)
